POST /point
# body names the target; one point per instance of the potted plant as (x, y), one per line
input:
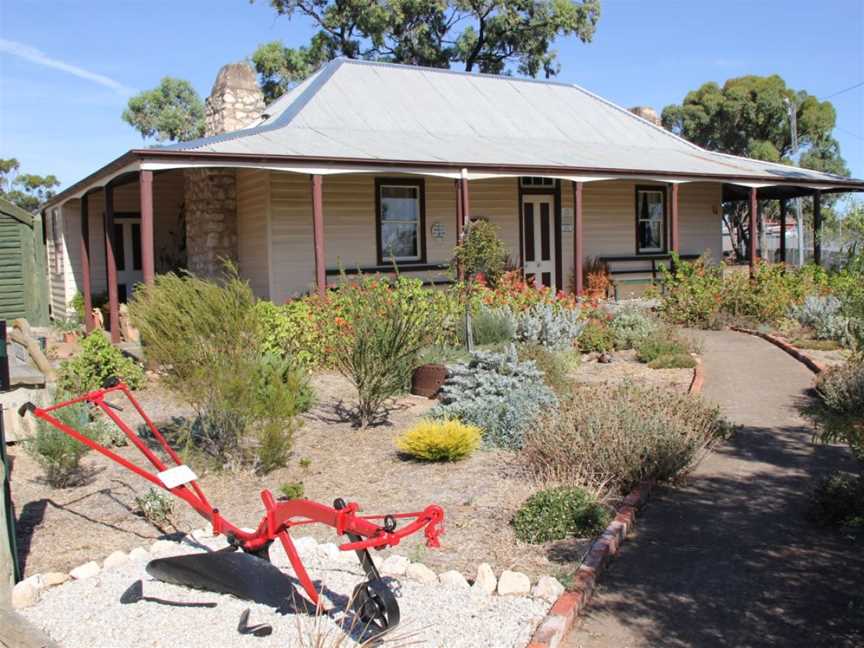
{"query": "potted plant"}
(67, 328)
(596, 278)
(431, 373)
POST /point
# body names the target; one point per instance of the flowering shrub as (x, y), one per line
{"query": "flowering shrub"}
(498, 394)
(512, 291)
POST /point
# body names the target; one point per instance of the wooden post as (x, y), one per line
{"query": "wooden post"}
(578, 247)
(754, 229)
(318, 234)
(111, 266)
(674, 237)
(460, 225)
(817, 228)
(86, 288)
(783, 230)
(466, 203)
(148, 263)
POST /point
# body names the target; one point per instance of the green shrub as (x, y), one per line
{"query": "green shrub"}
(665, 341)
(839, 409)
(292, 490)
(630, 325)
(56, 452)
(768, 295)
(492, 326)
(481, 252)
(673, 361)
(692, 293)
(98, 360)
(596, 337)
(555, 365)
(157, 507)
(207, 337)
(382, 336)
(446, 440)
(498, 394)
(615, 436)
(558, 513)
(838, 500)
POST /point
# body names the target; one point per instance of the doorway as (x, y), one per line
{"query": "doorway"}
(538, 240)
(127, 238)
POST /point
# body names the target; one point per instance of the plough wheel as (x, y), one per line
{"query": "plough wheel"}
(376, 606)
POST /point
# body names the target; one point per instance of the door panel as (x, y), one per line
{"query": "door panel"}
(538, 240)
(127, 238)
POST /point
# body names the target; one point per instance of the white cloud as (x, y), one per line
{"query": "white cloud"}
(40, 58)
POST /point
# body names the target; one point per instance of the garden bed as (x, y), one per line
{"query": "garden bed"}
(62, 528)
(625, 367)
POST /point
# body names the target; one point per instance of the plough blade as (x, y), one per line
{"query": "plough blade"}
(229, 572)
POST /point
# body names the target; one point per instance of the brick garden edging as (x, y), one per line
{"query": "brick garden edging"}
(560, 619)
(795, 352)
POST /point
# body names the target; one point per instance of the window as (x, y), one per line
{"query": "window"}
(650, 220)
(532, 182)
(400, 221)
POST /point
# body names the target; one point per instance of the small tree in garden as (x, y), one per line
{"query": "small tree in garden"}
(481, 252)
(382, 338)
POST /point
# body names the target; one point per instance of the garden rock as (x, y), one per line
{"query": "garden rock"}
(485, 583)
(454, 579)
(161, 546)
(52, 579)
(605, 358)
(421, 573)
(116, 559)
(548, 589)
(395, 565)
(306, 543)
(513, 584)
(139, 553)
(87, 570)
(26, 593)
(329, 551)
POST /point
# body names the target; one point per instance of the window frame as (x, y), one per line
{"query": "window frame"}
(420, 185)
(529, 182)
(664, 229)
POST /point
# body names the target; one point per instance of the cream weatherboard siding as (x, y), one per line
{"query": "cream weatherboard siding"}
(253, 229)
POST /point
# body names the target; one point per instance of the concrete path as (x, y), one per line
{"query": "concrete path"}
(728, 559)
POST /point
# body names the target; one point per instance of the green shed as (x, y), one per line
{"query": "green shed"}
(23, 275)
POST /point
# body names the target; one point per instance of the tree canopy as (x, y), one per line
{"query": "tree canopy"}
(492, 36)
(749, 116)
(171, 111)
(27, 190)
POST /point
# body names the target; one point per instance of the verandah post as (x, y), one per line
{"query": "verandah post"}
(111, 266)
(86, 288)
(318, 234)
(148, 264)
(783, 230)
(674, 237)
(577, 239)
(754, 233)
(817, 228)
(460, 223)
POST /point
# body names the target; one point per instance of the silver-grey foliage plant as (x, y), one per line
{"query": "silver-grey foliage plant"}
(552, 327)
(824, 316)
(498, 394)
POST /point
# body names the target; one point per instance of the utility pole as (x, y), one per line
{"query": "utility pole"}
(792, 107)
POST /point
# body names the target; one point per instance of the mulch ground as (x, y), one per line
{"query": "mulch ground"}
(58, 529)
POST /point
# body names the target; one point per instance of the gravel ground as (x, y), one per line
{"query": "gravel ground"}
(88, 613)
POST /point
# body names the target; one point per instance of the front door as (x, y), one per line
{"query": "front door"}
(538, 240)
(127, 238)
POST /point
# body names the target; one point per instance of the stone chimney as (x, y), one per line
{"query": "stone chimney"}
(648, 113)
(235, 102)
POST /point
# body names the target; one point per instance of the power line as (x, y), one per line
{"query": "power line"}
(839, 92)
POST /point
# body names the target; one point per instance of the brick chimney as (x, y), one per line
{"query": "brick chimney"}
(647, 113)
(235, 102)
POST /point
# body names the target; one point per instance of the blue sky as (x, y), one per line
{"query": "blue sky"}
(67, 68)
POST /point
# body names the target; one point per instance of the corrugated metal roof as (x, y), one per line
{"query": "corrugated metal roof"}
(379, 111)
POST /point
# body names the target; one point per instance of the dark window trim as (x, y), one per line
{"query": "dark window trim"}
(420, 183)
(555, 192)
(659, 187)
(385, 269)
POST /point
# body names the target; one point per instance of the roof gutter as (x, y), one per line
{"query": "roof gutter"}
(142, 155)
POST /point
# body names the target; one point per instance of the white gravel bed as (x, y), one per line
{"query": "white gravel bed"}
(88, 613)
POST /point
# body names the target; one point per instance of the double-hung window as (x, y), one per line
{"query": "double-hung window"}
(400, 221)
(650, 220)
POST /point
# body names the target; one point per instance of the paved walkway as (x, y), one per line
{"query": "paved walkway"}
(728, 559)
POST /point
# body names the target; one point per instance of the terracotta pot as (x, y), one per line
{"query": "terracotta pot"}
(70, 337)
(428, 379)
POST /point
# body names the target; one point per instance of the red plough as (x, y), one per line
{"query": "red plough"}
(248, 573)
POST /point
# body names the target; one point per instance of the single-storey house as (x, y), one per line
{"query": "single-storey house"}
(365, 165)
